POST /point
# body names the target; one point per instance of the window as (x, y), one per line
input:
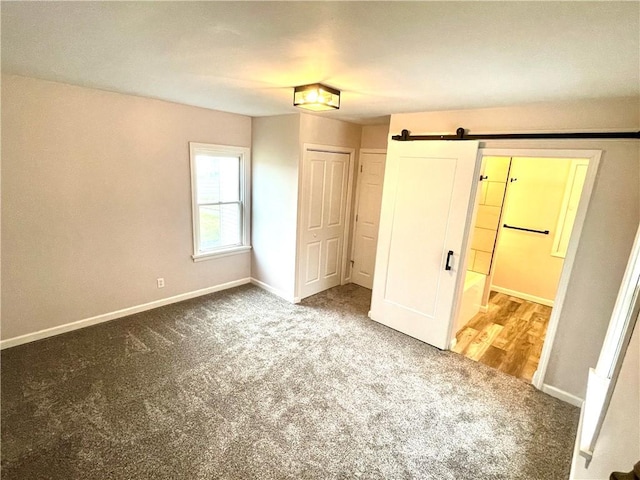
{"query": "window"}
(220, 191)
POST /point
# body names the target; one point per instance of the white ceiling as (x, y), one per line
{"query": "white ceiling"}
(386, 57)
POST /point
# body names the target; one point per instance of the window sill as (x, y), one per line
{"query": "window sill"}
(201, 257)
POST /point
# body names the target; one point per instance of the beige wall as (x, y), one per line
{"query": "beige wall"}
(523, 263)
(375, 136)
(278, 149)
(611, 221)
(618, 445)
(276, 154)
(96, 202)
(327, 131)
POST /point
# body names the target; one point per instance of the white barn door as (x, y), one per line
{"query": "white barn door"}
(324, 201)
(426, 197)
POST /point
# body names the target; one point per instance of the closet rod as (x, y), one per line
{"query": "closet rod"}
(461, 134)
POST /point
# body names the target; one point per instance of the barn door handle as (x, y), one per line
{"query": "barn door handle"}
(448, 265)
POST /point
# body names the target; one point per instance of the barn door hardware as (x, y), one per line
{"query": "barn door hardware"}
(461, 134)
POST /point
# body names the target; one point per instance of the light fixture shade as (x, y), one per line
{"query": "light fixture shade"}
(316, 97)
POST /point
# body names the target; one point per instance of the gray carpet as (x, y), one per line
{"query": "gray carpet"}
(242, 385)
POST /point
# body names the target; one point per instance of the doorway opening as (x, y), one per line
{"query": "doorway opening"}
(525, 212)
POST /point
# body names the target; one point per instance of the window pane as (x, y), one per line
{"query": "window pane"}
(218, 178)
(219, 226)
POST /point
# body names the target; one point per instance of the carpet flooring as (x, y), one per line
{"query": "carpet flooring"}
(242, 385)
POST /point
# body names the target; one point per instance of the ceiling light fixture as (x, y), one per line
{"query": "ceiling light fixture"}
(316, 97)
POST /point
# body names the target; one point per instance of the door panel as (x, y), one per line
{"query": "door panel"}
(313, 262)
(316, 192)
(426, 197)
(336, 195)
(367, 217)
(331, 267)
(324, 197)
(420, 225)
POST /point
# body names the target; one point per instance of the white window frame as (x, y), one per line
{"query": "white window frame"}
(244, 154)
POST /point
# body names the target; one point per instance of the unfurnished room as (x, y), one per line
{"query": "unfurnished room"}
(320, 240)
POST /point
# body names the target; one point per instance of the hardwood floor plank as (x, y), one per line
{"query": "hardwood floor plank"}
(544, 310)
(529, 369)
(509, 336)
(540, 324)
(525, 310)
(498, 299)
(503, 315)
(464, 338)
(480, 321)
(517, 357)
(514, 328)
(481, 343)
(537, 348)
(493, 356)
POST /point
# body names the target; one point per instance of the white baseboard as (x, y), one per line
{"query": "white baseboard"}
(524, 296)
(105, 317)
(562, 395)
(453, 343)
(276, 291)
(484, 308)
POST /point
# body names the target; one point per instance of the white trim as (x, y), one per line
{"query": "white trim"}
(275, 291)
(603, 379)
(523, 296)
(594, 162)
(221, 253)
(576, 448)
(556, 250)
(244, 156)
(105, 317)
(484, 308)
(562, 395)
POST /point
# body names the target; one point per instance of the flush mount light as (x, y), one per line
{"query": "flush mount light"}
(316, 97)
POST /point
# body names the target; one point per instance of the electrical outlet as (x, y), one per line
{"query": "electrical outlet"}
(161, 283)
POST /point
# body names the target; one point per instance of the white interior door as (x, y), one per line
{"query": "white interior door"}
(324, 199)
(425, 213)
(365, 239)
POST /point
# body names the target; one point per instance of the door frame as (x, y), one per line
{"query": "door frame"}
(306, 147)
(356, 204)
(594, 157)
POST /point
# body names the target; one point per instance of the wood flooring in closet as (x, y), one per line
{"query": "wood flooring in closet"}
(508, 337)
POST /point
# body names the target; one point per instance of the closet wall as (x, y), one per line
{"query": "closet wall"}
(278, 148)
